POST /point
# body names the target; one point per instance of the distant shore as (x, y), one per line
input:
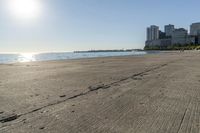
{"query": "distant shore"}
(114, 50)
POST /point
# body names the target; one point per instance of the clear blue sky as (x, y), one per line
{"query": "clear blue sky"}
(67, 25)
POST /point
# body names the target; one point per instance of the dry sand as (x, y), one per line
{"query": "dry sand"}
(145, 94)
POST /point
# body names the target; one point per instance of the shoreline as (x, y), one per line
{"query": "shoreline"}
(148, 52)
(74, 58)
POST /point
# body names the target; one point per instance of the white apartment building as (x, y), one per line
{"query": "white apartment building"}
(152, 33)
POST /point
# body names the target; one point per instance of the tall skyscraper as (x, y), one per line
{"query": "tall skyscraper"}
(195, 29)
(152, 33)
(169, 29)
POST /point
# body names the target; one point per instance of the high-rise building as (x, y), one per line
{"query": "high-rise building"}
(195, 29)
(169, 29)
(148, 34)
(152, 33)
(180, 36)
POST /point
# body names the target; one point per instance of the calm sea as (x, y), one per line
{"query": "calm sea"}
(29, 57)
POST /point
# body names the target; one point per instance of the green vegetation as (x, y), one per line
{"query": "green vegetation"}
(174, 47)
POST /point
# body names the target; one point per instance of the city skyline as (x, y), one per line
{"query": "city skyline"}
(172, 37)
(168, 27)
(67, 25)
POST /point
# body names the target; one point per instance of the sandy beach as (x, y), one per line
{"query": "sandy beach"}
(158, 93)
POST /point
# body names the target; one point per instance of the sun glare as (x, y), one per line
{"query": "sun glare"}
(26, 57)
(25, 9)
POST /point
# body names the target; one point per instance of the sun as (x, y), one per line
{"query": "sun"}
(25, 9)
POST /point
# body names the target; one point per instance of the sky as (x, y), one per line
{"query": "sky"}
(68, 25)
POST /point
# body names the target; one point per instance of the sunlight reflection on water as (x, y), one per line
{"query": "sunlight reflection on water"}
(26, 57)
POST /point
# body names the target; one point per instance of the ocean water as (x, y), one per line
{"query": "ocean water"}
(30, 57)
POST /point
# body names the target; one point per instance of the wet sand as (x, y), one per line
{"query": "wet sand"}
(142, 94)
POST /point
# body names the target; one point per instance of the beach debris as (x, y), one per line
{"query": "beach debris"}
(37, 95)
(44, 111)
(116, 84)
(4, 117)
(63, 96)
(41, 128)
(136, 78)
(102, 86)
(24, 121)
